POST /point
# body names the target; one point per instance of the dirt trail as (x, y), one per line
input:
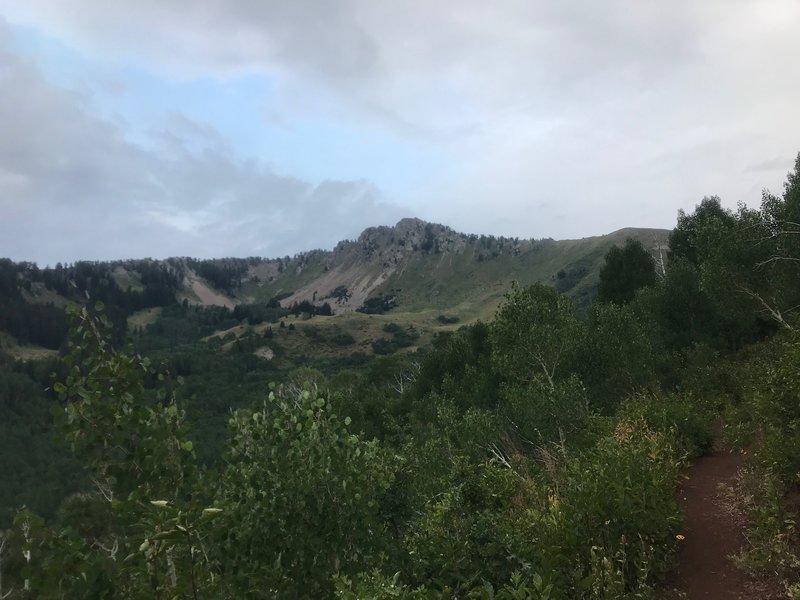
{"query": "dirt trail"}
(712, 534)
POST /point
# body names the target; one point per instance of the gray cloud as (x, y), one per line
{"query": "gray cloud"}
(616, 112)
(72, 187)
(780, 163)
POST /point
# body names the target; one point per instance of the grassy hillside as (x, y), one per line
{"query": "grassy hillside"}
(458, 273)
(436, 279)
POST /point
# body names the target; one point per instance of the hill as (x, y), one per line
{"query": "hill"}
(421, 266)
(423, 276)
(416, 265)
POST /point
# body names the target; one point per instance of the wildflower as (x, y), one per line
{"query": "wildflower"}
(680, 537)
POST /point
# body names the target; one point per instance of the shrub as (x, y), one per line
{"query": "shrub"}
(343, 339)
(681, 416)
(301, 496)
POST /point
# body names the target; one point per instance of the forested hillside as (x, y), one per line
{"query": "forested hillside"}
(533, 453)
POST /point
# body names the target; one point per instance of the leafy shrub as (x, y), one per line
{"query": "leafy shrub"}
(773, 538)
(301, 496)
(384, 346)
(392, 328)
(343, 339)
(620, 498)
(687, 419)
(447, 320)
(376, 586)
(377, 305)
(541, 414)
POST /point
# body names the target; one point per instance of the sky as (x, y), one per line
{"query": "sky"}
(219, 128)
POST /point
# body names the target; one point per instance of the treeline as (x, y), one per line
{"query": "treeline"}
(29, 316)
(225, 274)
(35, 471)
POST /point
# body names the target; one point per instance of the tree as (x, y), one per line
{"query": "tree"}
(679, 308)
(141, 532)
(301, 496)
(627, 269)
(535, 334)
(620, 354)
(748, 261)
(683, 241)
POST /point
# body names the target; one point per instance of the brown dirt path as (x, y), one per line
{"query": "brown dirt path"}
(712, 534)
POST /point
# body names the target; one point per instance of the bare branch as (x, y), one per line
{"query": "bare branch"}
(772, 311)
(773, 259)
(111, 551)
(105, 490)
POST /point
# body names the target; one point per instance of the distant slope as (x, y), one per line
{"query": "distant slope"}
(428, 266)
(422, 269)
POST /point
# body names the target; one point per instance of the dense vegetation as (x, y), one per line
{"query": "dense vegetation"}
(534, 456)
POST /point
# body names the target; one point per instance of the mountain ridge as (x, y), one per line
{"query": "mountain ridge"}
(416, 264)
(389, 260)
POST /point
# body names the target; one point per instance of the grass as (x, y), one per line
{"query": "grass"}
(8, 345)
(142, 318)
(126, 278)
(428, 285)
(470, 281)
(316, 337)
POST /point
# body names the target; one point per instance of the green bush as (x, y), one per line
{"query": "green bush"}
(619, 499)
(684, 417)
(343, 339)
(301, 497)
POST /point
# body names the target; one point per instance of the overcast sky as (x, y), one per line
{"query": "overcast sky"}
(258, 127)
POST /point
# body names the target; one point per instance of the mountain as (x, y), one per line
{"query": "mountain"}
(422, 275)
(418, 266)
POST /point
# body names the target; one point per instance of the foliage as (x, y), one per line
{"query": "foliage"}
(224, 274)
(683, 241)
(687, 419)
(296, 476)
(145, 507)
(620, 499)
(627, 269)
(620, 354)
(773, 537)
(401, 338)
(535, 335)
(259, 313)
(377, 305)
(36, 472)
(539, 414)
(447, 320)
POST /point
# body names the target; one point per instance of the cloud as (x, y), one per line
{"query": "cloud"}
(616, 113)
(72, 186)
(212, 36)
(781, 163)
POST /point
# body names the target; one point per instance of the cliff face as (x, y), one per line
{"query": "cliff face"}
(363, 266)
(393, 244)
